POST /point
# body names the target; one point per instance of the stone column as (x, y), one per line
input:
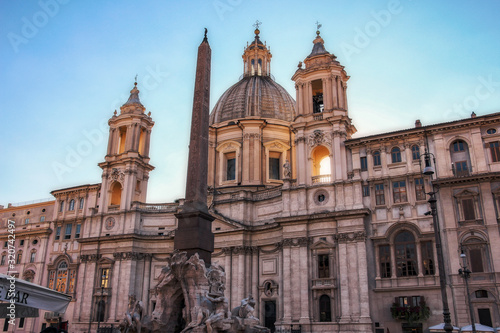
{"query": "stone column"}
(241, 274)
(345, 309)
(309, 104)
(364, 296)
(409, 157)
(110, 141)
(304, 282)
(146, 282)
(298, 93)
(377, 262)
(335, 98)
(128, 138)
(393, 261)
(287, 315)
(340, 93)
(255, 275)
(369, 162)
(227, 269)
(245, 160)
(147, 143)
(324, 84)
(300, 143)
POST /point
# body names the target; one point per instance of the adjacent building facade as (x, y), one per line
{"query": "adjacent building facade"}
(327, 232)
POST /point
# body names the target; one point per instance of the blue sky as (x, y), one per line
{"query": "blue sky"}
(67, 65)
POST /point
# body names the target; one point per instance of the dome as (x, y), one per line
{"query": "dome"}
(254, 96)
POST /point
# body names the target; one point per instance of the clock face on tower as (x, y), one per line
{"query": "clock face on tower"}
(110, 223)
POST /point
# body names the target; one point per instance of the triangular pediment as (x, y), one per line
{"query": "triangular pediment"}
(322, 244)
(465, 193)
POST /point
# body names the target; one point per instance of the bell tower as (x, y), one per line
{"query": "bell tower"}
(126, 167)
(322, 123)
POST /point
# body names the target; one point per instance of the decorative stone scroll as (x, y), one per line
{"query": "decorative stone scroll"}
(350, 237)
(317, 138)
(90, 257)
(117, 175)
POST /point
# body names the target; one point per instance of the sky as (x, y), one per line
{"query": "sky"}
(66, 65)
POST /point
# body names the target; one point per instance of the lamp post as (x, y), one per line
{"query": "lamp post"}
(429, 171)
(465, 274)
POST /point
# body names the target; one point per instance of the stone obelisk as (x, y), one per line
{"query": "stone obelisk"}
(194, 232)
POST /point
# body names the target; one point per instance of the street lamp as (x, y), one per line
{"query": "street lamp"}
(465, 274)
(429, 171)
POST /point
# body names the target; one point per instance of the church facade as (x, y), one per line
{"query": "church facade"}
(327, 232)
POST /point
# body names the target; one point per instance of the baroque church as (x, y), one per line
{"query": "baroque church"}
(327, 232)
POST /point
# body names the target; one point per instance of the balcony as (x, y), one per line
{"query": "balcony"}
(323, 283)
(156, 208)
(321, 179)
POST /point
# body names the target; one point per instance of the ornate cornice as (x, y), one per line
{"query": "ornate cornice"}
(90, 257)
(357, 236)
(130, 255)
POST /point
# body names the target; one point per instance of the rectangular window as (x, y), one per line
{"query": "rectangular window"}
(419, 189)
(6, 325)
(364, 163)
(58, 233)
(231, 166)
(21, 322)
(461, 169)
(2, 262)
(384, 253)
(427, 258)
(21, 242)
(366, 190)
(376, 158)
(77, 231)
(399, 191)
(274, 165)
(42, 218)
(468, 209)
(495, 151)
(379, 194)
(323, 266)
(19, 258)
(26, 221)
(32, 257)
(476, 260)
(104, 282)
(67, 234)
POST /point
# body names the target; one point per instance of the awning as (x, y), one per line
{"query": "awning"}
(29, 294)
(479, 328)
(440, 328)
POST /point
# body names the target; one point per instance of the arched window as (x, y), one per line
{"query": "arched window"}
(62, 277)
(81, 203)
(122, 139)
(72, 204)
(406, 254)
(19, 257)
(116, 193)
(460, 159)
(325, 310)
(33, 256)
(376, 158)
(396, 155)
(476, 254)
(415, 152)
(61, 205)
(321, 165)
(259, 69)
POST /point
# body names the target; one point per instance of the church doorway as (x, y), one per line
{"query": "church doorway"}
(270, 315)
